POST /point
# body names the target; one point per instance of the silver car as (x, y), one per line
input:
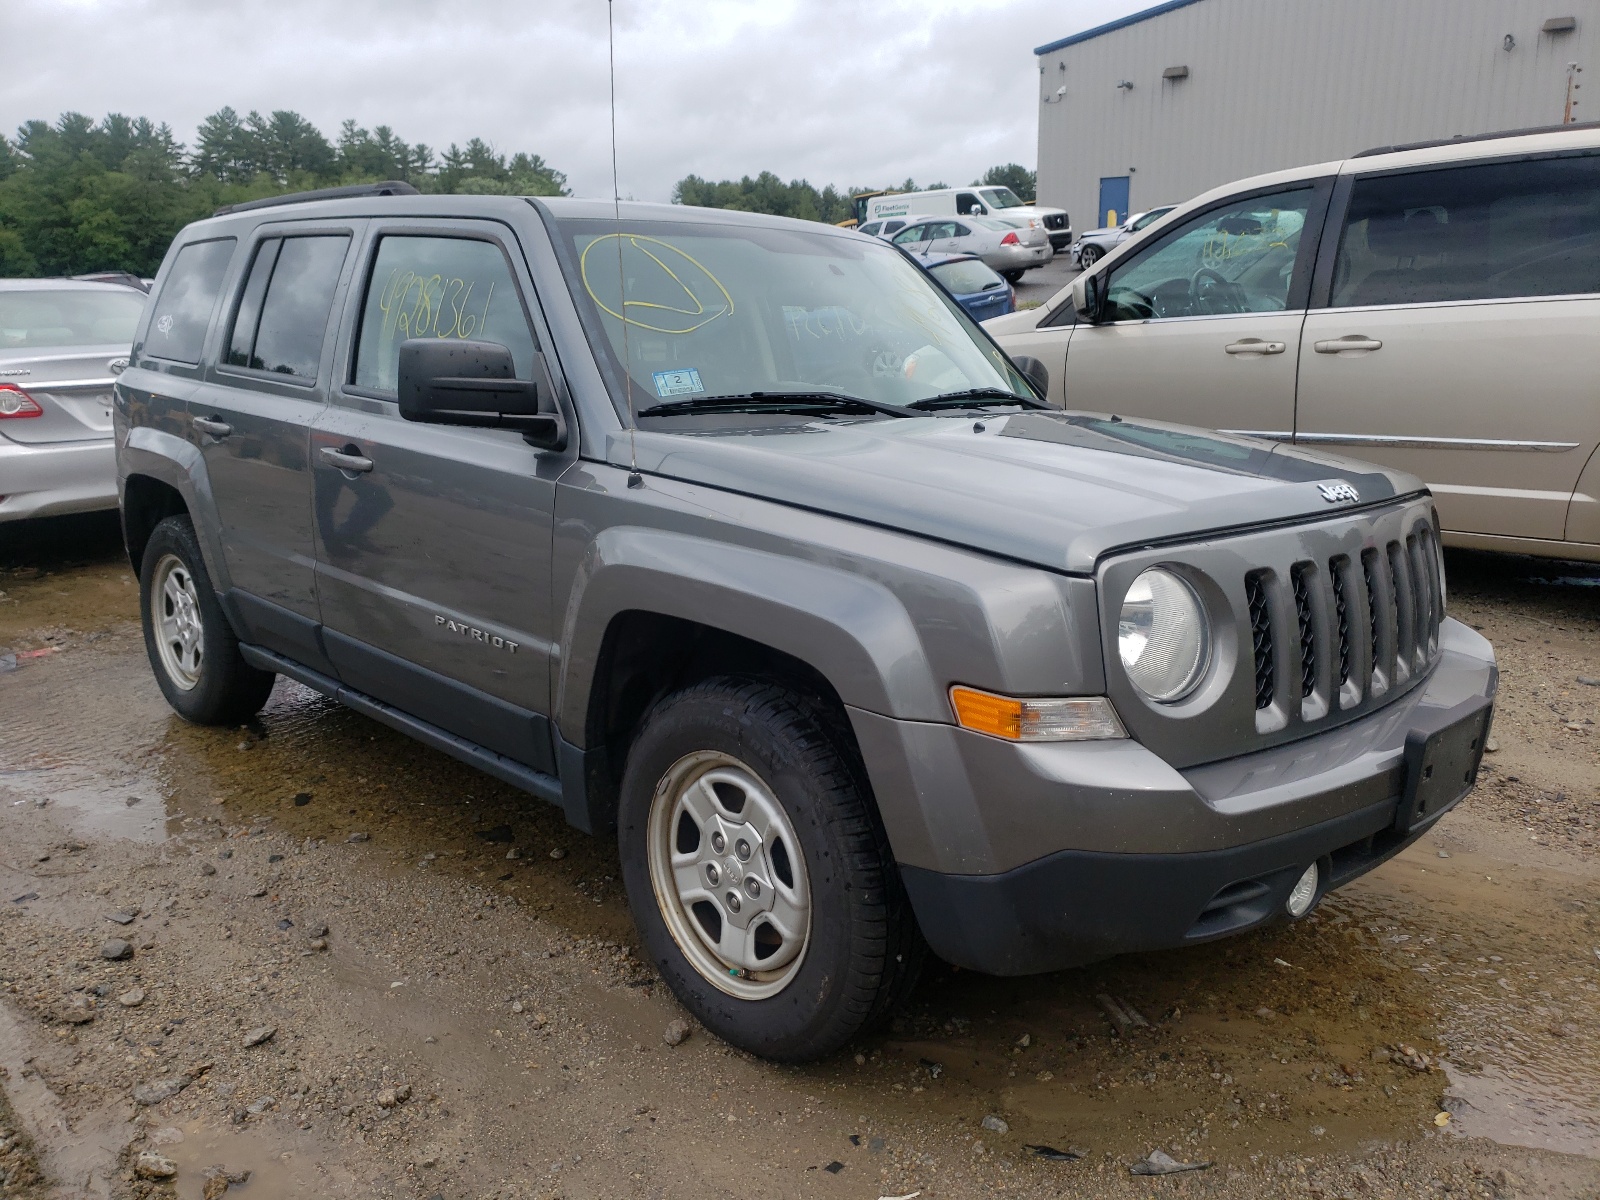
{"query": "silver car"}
(1097, 243)
(62, 341)
(1007, 245)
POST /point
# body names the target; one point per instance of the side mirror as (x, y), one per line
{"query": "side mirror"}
(448, 382)
(1035, 372)
(1089, 296)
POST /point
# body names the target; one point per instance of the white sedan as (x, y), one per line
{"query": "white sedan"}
(1007, 245)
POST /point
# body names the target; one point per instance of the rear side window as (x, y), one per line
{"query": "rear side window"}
(893, 227)
(182, 310)
(1485, 232)
(913, 233)
(872, 227)
(438, 287)
(283, 311)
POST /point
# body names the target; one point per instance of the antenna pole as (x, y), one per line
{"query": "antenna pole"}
(634, 478)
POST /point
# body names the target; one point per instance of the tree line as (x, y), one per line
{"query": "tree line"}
(79, 195)
(767, 193)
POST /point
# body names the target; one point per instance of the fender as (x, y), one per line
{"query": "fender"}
(851, 629)
(171, 460)
(1583, 510)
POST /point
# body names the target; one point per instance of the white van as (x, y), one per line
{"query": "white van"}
(970, 202)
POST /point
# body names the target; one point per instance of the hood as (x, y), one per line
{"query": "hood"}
(1057, 489)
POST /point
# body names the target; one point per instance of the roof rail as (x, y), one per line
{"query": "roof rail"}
(1476, 137)
(391, 187)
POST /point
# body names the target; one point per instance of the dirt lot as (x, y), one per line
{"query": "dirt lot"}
(456, 1007)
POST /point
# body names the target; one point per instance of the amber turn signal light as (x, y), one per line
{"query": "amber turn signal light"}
(1062, 719)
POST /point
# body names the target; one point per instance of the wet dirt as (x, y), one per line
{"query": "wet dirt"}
(480, 954)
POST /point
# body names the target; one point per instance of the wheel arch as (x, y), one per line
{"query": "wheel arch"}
(651, 612)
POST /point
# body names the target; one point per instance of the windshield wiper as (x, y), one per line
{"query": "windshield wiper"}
(772, 402)
(976, 398)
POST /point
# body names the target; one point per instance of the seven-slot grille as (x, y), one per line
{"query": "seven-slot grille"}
(1358, 629)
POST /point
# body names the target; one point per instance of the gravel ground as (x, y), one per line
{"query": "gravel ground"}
(457, 1008)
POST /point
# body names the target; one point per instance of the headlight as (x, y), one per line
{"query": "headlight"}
(1162, 636)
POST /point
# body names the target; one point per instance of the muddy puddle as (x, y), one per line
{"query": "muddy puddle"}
(481, 953)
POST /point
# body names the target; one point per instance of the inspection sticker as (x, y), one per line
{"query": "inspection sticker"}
(678, 383)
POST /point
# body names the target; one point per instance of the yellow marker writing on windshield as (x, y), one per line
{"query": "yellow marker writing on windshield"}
(705, 298)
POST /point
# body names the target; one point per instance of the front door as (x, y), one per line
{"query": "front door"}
(1113, 200)
(252, 417)
(434, 542)
(1202, 326)
(1458, 338)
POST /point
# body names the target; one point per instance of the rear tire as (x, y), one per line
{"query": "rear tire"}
(1011, 276)
(1089, 255)
(192, 648)
(758, 872)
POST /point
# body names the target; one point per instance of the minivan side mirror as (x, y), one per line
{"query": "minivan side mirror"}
(1089, 296)
(1035, 372)
(444, 381)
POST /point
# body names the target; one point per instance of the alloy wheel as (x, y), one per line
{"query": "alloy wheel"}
(729, 875)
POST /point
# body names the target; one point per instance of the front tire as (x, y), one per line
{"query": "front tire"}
(192, 648)
(1089, 255)
(757, 870)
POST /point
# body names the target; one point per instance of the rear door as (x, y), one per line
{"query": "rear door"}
(433, 542)
(1458, 336)
(252, 420)
(1202, 325)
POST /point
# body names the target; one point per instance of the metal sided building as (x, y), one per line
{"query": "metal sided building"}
(1169, 102)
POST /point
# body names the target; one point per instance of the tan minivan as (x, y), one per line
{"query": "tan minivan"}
(1433, 307)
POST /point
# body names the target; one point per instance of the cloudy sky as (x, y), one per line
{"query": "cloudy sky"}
(850, 93)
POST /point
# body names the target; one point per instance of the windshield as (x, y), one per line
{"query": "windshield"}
(1143, 219)
(1000, 197)
(48, 317)
(727, 310)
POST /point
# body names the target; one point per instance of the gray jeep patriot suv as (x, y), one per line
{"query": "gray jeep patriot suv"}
(734, 535)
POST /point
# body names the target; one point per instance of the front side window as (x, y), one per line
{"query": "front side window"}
(46, 316)
(282, 319)
(967, 204)
(730, 310)
(1483, 232)
(438, 287)
(1238, 258)
(182, 310)
(1149, 218)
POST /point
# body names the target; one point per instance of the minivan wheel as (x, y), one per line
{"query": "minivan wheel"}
(757, 871)
(1089, 255)
(192, 649)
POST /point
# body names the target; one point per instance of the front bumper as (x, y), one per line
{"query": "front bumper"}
(1020, 859)
(1060, 239)
(56, 477)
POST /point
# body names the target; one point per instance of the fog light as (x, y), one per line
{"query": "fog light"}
(1299, 901)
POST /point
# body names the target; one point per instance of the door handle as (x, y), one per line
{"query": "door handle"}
(348, 459)
(1353, 341)
(1254, 346)
(215, 426)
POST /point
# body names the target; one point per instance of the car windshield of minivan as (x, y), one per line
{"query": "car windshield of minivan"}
(723, 318)
(1001, 197)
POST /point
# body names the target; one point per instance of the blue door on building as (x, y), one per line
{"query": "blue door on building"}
(1113, 200)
